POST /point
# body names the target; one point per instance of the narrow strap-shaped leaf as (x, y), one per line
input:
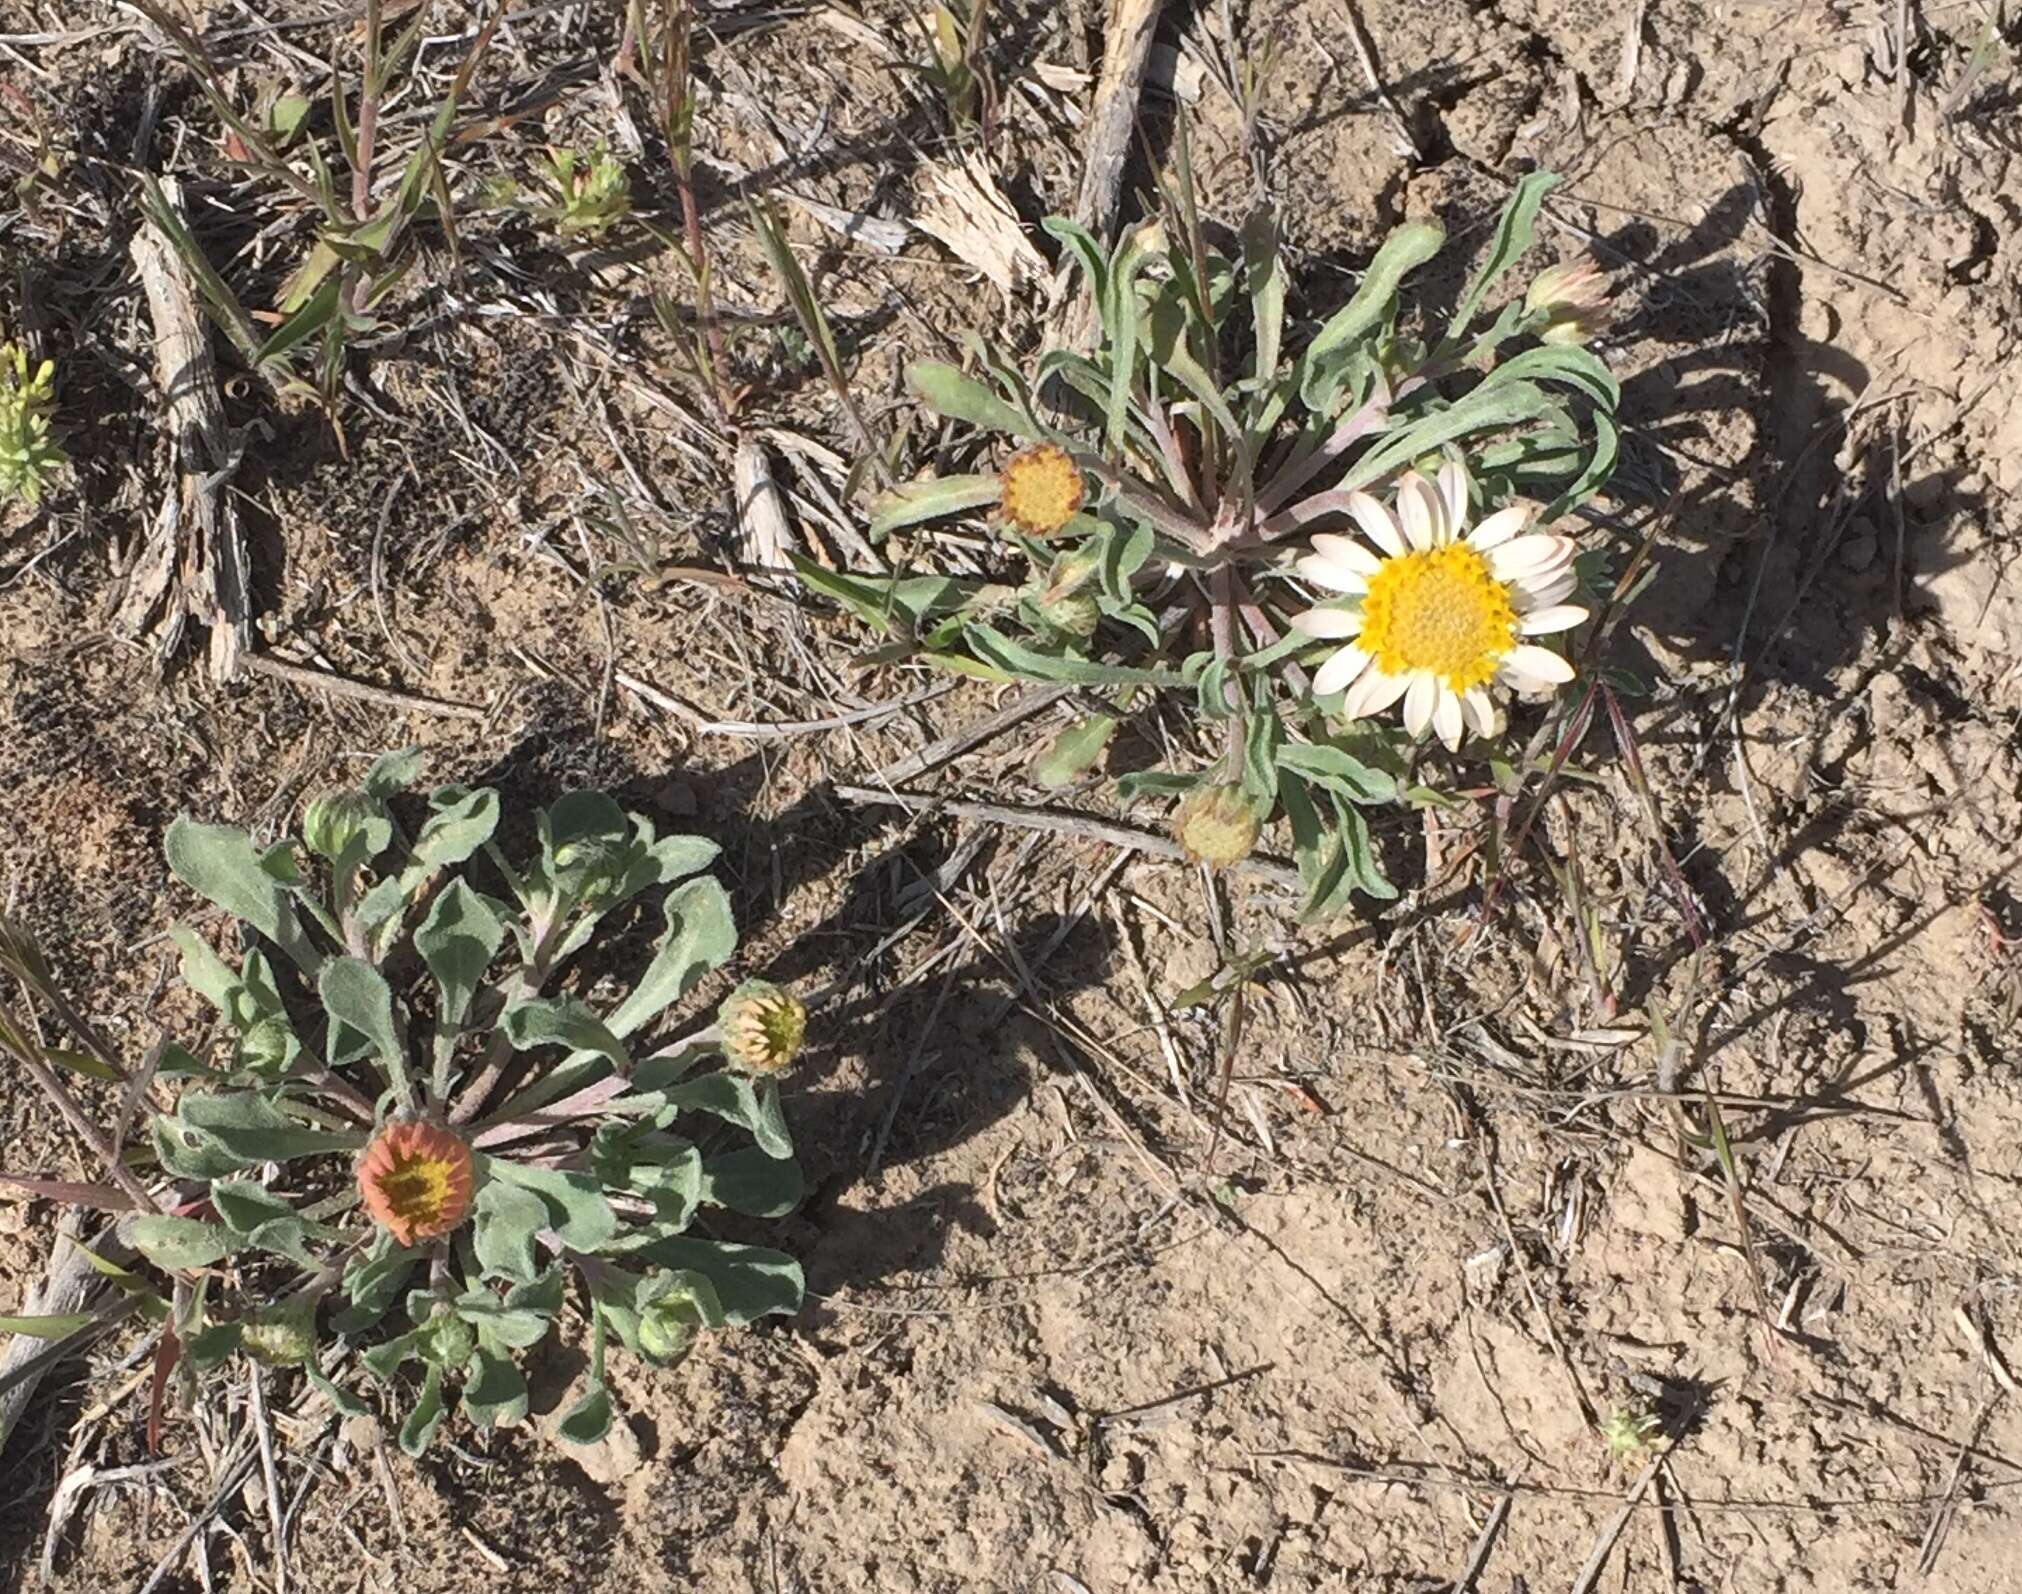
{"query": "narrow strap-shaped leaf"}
(1513, 230)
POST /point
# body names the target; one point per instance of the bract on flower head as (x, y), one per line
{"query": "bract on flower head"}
(1043, 489)
(763, 1027)
(416, 1180)
(1435, 614)
(1217, 825)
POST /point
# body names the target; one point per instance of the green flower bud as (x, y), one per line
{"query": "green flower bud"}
(281, 1336)
(267, 1046)
(763, 1027)
(445, 1340)
(1217, 825)
(668, 1323)
(334, 821)
(1077, 614)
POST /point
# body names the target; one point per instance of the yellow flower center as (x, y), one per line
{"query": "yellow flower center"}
(418, 1192)
(1441, 611)
(1042, 489)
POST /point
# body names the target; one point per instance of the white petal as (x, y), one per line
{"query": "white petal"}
(1529, 555)
(1498, 528)
(1446, 723)
(1533, 669)
(1453, 496)
(1340, 671)
(1347, 553)
(1543, 590)
(1418, 701)
(1560, 617)
(1328, 622)
(1377, 523)
(1418, 511)
(1480, 711)
(1331, 574)
(1373, 693)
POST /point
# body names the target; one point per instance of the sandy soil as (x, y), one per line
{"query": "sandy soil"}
(1047, 1347)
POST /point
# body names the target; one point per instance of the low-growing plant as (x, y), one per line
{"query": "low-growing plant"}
(363, 238)
(1166, 493)
(436, 1124)
(29, 456)
(577, 193)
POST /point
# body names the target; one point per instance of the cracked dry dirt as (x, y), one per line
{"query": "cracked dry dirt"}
(1453, 1210)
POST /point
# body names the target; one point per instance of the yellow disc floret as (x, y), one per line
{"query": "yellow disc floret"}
(1440, 610)
(1042, 489)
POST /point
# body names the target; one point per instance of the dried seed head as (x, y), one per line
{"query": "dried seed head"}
(763, 1027)
(1042, 489)
(1217, 825)
(417, 1181)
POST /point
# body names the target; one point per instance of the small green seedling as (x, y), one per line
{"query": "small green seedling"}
(29, 456)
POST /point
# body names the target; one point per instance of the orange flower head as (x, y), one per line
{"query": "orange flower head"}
(1042, 489)
(416, 1181)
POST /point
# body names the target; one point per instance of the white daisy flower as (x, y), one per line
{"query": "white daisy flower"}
(1434, 613)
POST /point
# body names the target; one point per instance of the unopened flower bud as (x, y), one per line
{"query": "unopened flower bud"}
(264, 1048)
(668, 1323)
(763, 1027)
(281, 1336)
(445, 1340)
(1217, 825)
(332, 822)
(1572, 299)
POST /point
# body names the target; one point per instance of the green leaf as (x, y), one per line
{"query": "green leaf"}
(1264, 273)
(1491, 407)
(752, 1182)
(346, 1403)
(1408, 247)
(248, 1128)
(995, 648)
(734, 1098)
(244, 1206)
(506, 1220)
(1513, 232)
(700, 936)
(462, 822)
(1338, 771)
(204, 971)
(589, 1419)
(1568, 364)
(458, 940)
(948, 392)
(392, 773)
(79, 1063)
(751, 1281)
(1086, 251)
(1154, 783)
(876, 601)
(221, 864)
(1261, 738)
(309, 318)
(1069, 755)
(357, 996)
(209, 1347)
(494, 1392)
(53, 1327)
(1120, 321)
(564, 1021)
(176, 1243)
(930, 500)
(421, 1423)
(577, 1210)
